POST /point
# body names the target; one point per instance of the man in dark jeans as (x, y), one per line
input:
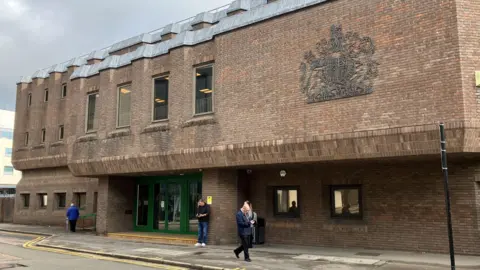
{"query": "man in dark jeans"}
(72, 216)
(244, 232)
(203, 215)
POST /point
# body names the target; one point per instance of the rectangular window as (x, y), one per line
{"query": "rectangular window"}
(42, 200)
(61, 132)
(95, 202)
(6, 133)
(45, 96)
(286, 202)
(204, 90)
(80, 199)
(346, 202)
(8, 152)
(91, 105)
(61, 200)
(26, 139)
(8, 170)
(29, 100)
(44, 135)
(123, 106)
(25, 200)
(64, 90)
(160, 99)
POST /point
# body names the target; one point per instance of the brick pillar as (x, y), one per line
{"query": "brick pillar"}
(222, 186)
(116, 197)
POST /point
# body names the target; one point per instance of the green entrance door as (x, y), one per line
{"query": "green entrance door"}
(168, 204)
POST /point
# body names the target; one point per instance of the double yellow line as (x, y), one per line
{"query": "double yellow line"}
(31, 245)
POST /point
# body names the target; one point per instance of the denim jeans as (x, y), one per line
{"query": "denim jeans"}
(202, 232)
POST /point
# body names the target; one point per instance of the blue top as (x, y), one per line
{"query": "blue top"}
(243, 224)
(73, 213)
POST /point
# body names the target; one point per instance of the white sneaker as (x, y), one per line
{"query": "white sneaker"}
(203, 245)
(198, 244)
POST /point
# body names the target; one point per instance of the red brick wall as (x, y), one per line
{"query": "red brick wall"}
(468, 24)
(403, 206)
(222, 186)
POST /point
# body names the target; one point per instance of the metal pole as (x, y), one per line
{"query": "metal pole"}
(447, 194)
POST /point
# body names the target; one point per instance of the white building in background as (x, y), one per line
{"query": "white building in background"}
(9, 177)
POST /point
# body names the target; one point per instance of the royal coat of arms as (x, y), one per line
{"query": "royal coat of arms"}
(341, 67)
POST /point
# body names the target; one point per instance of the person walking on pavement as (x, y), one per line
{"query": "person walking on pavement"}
(252, 216)
(72, 216)
(244, 232)
(203, 216)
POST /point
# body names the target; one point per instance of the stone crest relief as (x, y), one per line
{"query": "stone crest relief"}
(339, 68)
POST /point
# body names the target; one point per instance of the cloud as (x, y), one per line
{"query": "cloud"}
(35, 34)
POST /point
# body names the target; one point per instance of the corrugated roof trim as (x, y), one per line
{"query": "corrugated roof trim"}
(98, 54)
(143, 38)
(183, 38)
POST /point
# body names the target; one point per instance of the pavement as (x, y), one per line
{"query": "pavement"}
(222, 257)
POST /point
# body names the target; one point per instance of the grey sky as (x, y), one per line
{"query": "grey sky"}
(35, 34)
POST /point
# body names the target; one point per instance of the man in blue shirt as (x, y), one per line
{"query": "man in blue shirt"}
(72, 216)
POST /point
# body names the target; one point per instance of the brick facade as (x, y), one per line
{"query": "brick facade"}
(427, 54)
(404, 205)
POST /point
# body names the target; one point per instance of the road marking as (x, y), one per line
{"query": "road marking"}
(31, 245)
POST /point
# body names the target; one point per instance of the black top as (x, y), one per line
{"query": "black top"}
(204, 210)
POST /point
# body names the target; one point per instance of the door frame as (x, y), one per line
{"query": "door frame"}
(151, 181)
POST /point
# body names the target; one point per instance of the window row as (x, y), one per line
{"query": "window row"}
(345, 202)
(43, 135)
(63, 94)
(60, 200)
(160, 99)
(203, 102)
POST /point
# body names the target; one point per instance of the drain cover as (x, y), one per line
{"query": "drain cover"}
(11, 265)
(367, 254)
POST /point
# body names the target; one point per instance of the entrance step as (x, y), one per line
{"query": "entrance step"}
(159, 238)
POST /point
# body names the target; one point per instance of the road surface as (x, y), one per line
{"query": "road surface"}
(14, 256)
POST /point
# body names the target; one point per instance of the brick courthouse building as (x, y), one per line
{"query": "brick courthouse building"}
(323, 113)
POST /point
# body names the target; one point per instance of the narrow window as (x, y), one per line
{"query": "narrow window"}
(91, 104)
(61, 200)
(80, 200)
(7, 170)
(45, 96)
(95, 202)
(64, 90)
(25, 200)
(286, 202)
(43, 200)
(29, 100)
(346, 202)
(44, 135)
(123, 107)
(61, 131)
(26, 139)
(204, 90)
(8, 152)
(160, 99)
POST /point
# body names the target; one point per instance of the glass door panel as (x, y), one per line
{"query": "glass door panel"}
(160, 205)
(142, 205)
(174, 198)
(195, 194)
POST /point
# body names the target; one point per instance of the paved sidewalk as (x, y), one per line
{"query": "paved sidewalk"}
(264, 257)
